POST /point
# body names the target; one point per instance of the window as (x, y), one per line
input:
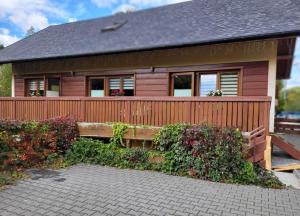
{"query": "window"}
(229, 83)
(208, 82)
(226, 81)
(97, 87)
(35, 87)
(53, 87)
(128, 86)
(182, 85)
(121, 86)
(114, 87)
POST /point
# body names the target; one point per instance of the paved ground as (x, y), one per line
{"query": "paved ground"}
(97, 190)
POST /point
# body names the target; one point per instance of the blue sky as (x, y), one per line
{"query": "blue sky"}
(17, 16)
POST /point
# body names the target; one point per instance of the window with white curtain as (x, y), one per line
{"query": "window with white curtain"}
(35, 87)
(121, 86)
(229, 83)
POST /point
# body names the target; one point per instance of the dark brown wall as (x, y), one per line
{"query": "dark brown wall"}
(73, 86)
(152, 84)
(19, 87)
(255, 79)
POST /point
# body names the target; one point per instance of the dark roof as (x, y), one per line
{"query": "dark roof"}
(182, 24)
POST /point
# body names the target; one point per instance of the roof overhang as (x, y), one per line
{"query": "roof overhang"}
(285, 56)
(283, 35)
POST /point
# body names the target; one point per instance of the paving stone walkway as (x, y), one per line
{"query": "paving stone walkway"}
(97, 190)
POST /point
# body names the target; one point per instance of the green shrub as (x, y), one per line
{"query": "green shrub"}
(86, 150)
(203, 151)
(119, 129)
(266, 178)
(8, 178)
(168, 136)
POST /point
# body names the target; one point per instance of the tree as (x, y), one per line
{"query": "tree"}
(280, 96)
(293, 99)
(30, 31)
(5, 80)
(1, 46)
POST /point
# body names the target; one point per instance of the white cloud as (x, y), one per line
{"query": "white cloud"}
(125, 8)
(154, 2)
(25, 21)
(5, 37)
(27, 13)
(72, 19)
(133, 3)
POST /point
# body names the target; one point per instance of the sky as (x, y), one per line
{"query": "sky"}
(17, 16)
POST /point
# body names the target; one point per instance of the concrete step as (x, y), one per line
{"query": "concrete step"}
(297, 174)
(289, 179)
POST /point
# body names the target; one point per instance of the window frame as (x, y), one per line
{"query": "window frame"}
(106, 83)
(27, 80)
(121, 77)
(196, 79)
(183, 74)
(218, 73)
(46, 80)
(96, 78)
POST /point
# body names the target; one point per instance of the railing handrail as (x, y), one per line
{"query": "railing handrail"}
(147, 98)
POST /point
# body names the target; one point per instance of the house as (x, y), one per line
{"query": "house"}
(162, 61)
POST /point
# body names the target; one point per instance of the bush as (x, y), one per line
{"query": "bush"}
(168, 136)
(266, 178)
(210, 153)
(219, 150)
(199, 151)
(86, 150)
(25, 144)
(119, 129)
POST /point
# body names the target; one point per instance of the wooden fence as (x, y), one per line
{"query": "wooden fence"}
(247, 113)
(289, 126)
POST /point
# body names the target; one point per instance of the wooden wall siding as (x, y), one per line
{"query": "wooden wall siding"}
(255, 79)
(247, 113)
(152, 84)
(73, 86)
(19, 87)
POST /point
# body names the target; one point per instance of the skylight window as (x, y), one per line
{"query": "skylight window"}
(115, 26)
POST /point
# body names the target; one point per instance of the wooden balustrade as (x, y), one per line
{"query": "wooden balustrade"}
(288, 126)
(246, 113)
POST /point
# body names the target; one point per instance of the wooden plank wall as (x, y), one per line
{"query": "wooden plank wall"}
(246, 113)
(73, 86)
(19, 87)
(152, 84)
(255, 79)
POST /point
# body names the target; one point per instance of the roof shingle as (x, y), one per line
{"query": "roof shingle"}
(194, 22)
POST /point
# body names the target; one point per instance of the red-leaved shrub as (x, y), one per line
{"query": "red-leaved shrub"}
(24, 144)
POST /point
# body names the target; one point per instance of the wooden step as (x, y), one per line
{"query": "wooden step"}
(286, 147)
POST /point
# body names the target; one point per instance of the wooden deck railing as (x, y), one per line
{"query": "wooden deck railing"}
(247, 113)
(288, 126)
